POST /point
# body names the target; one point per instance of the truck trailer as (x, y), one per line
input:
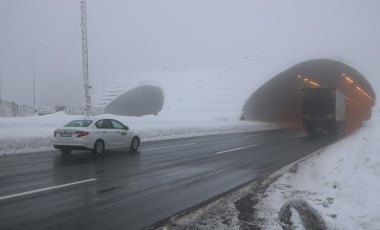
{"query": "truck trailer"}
(323, 110)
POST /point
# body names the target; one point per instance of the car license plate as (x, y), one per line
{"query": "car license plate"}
(65, 135)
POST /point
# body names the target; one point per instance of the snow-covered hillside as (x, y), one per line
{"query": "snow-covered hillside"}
(220, 94)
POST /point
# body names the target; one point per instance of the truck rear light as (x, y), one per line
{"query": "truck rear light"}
(82, 133)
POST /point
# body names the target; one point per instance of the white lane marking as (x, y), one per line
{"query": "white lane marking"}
(168, 147)
(232, 150)
(254, 135)
(303, 135)
(46, 189)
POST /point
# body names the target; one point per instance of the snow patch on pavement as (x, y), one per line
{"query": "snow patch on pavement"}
(220, 214)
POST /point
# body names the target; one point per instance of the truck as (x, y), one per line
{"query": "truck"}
(323, 110)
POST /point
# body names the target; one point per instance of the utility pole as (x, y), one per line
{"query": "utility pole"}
(87, 86)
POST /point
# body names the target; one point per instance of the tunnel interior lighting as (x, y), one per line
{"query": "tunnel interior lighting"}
(356, 86)
(310, 81)
(363, 92)
(349, 79)
(314, 83)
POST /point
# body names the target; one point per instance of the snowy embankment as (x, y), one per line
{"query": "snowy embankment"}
(335, 188)
(31, 134)
(340, 184)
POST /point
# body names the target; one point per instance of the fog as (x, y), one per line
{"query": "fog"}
(126, 37)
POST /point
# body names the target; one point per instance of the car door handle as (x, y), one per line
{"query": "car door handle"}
(123, 133)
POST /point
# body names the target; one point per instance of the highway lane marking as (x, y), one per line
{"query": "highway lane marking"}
(232, 150)
(46, 189)
(168, 147)
(254, 135)
(303, 135)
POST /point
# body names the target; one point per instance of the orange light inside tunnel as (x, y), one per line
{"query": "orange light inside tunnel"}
(357, 87)
(310, 81)
(314, 83)
(363, 92)
(349, 79)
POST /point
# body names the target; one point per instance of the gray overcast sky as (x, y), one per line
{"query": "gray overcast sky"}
(146, 35)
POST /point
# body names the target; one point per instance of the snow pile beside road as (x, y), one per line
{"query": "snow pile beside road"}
(22, 134)
(30, 134)
(340, 184)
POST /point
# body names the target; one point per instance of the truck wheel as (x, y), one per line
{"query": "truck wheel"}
(342, 130)
(311, 132)
(334, 131)
(65, 151)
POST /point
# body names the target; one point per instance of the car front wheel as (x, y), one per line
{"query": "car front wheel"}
(98, 147)
(135, 144)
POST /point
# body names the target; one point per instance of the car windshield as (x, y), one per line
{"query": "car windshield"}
(79, 123)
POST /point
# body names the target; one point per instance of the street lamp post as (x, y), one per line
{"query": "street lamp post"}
(34, 76)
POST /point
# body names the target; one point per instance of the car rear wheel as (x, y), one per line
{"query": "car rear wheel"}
(135, 144)
(98, 147)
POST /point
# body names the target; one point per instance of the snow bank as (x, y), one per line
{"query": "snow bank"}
(23, 134)
(29, 134)
(341, 183)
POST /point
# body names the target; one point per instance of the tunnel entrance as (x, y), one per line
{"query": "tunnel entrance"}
(141, 101)
(279, 99)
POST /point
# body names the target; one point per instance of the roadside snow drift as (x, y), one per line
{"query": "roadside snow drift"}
(31, 134)
(340, 183)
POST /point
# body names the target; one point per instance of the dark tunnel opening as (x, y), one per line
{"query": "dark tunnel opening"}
(279, 99)
(141, 101)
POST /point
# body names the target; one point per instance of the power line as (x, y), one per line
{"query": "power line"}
(61, 64)
(101, 49)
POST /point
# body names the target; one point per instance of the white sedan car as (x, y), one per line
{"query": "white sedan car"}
(97, 135)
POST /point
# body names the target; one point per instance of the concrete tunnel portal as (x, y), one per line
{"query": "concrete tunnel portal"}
(140, 101)
(279, 99)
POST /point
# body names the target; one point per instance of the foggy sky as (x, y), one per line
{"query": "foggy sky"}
(148, 35)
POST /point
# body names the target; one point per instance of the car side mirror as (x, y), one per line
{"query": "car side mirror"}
(126, 127)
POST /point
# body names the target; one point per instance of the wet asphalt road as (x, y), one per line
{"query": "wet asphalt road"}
(124, 190)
